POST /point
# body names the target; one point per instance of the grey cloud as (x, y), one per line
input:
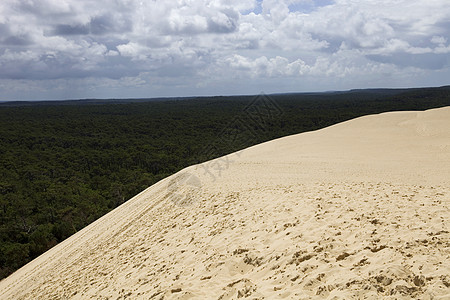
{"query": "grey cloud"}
(100, 25)
(248, 45)
(17, 41)
(4, 30)
(334, 42)
(31, 7)
(443, 27)
(117, 68)
(153, 42)
(63, 66)
(9, 39)
(175, 71)
(107, 24)
(428, 61)
(230, 25)
(215, 27)
(111, 43)
(63, 29)
(41, 10)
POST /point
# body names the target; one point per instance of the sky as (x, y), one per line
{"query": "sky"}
(76, 49)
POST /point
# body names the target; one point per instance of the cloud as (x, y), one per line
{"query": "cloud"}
(268, 67)
(24, 40)
(133, 50)
(223, 22)
(65, 29)
(198, 45)
(422, 61)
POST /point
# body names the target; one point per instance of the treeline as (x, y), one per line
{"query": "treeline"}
(64, 165)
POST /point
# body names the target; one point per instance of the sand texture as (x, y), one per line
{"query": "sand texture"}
(358, 210)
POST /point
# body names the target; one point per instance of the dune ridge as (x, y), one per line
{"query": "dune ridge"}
(356, 210)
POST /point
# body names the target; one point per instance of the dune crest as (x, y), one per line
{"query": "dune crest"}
(356, 210)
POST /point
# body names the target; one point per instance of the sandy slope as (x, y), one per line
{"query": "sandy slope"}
(356, 210)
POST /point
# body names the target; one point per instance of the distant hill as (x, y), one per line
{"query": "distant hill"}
(377, 91)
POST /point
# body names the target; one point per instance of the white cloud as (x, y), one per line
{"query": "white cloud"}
(132, 49)
(195, 45)
(268, 67)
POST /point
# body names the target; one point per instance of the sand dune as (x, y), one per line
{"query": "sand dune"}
(356, 210)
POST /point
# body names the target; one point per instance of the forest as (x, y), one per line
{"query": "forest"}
(64, 164)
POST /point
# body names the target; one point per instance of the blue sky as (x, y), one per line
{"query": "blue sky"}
(71, 49)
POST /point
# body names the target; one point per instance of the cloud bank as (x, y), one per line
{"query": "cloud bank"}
(65, 49)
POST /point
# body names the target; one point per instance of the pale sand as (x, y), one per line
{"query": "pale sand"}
(357, 210)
